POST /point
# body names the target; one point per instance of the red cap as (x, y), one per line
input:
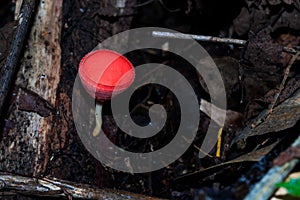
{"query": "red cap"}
(103, 72)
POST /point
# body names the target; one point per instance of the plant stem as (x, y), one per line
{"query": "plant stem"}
(98, 118)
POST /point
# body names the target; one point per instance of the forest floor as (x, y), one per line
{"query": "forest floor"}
(261, 81)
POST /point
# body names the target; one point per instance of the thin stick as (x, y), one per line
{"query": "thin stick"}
(286, 75)
(50, 187)
(265, 114)
(197, 37)
(209, 39)
(9, 69)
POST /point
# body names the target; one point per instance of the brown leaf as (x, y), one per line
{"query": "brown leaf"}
(284, 116)
(32, 102)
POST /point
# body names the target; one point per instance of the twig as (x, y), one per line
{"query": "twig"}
(55, 188)
(286, 74)
(197, 37)
(9, 69)
(209, 39)
(264, 114)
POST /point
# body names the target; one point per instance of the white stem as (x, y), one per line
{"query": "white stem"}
(98, 118)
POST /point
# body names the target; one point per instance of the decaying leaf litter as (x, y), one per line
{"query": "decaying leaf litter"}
(261, 81)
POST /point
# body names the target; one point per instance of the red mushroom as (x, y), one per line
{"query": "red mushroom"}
(105, 73)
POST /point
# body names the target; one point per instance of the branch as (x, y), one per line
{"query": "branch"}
(9, 69)
(197, 37)
(59, 188)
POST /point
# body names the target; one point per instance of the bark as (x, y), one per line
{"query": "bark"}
(59, 188)
(24, 146)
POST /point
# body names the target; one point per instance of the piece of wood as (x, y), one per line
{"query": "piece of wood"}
(60, 188)
(24, 148)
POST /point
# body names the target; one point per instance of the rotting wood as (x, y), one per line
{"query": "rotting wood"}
(59, 188)
(24, 149)
(8, 71)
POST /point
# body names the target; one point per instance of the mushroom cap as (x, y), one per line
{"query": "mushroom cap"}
(104, 73)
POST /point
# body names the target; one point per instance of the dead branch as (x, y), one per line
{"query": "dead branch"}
(10, 67)
(50, 187)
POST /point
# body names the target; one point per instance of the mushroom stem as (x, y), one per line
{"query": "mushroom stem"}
(98, 118)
